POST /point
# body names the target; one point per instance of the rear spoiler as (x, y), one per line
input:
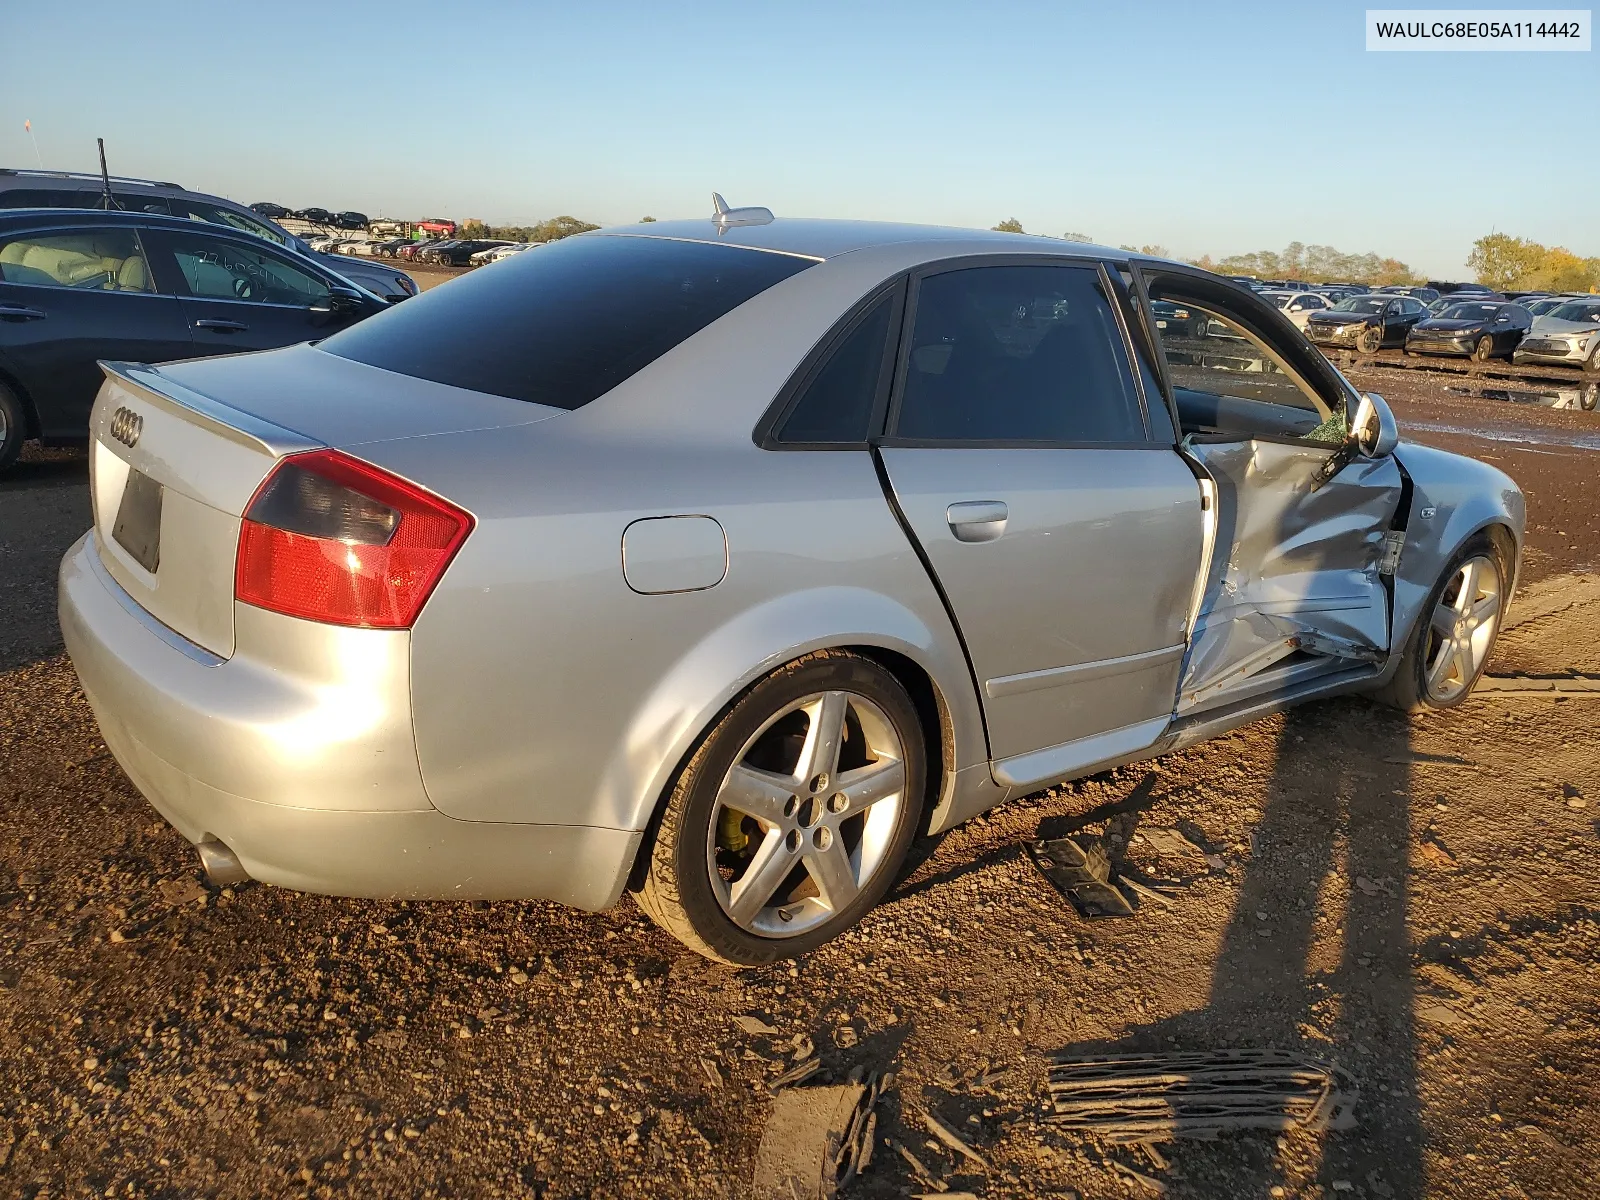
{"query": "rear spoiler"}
(225, 421)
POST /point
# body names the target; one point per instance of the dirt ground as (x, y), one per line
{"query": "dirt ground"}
(1414, 899)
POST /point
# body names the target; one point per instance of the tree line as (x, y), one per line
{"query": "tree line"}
(1523, 265)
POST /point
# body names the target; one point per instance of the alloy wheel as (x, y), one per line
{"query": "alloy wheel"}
(805, 817)
(1463, 626)
(1482, 350)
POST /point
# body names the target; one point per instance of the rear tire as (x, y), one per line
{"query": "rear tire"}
(772, 843)
(13, 428)
(1430, 676)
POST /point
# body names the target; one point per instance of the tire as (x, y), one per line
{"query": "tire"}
(1483, 349)
(1419, 685)
(747, 888)
(13, 428)
(1370, 340)
(1592, 364)
(1589, 398)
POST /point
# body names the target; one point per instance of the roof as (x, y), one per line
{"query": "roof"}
(827, 239)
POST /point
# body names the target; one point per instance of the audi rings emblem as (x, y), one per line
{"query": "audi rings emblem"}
(126, 426)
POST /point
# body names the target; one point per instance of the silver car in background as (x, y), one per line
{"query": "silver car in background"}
(1568, 334)
(716, 560)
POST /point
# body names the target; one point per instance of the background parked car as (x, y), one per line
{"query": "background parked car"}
(1426, 294)
(21, 188)
(412, 250)
(1568, 335)
(1450, 298)
(319, 216)
(1297, 306)
(1175, 319)
(80, 286)
(459, 254)
(273, 212)
(1366, 322)
(497, 253)
(1483, 329)
(350, 220)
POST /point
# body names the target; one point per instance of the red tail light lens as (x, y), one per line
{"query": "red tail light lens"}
(330, 538)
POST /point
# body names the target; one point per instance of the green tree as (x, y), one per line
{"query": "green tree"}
(646, 220)
(473, 230)
(1009, 225)
(1076, 237)
(1503, 261)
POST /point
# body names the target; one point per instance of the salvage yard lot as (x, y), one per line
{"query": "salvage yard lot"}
(1412, 899)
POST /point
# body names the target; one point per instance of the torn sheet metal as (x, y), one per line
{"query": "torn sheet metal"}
(818, 1139)
(1296, 562)
(1080, 870)
(1157, 1097)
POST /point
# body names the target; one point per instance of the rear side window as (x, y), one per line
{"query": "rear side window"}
(1018, 354)
(92, 260)
(565, 325)
(835, 406)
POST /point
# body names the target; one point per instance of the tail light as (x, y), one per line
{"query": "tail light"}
(330, 538)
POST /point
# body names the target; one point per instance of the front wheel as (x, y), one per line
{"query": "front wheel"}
(1370, 340)
(792, 818)
(13, 427)
(1592, 364)
(1484, 350)
(1454, 634)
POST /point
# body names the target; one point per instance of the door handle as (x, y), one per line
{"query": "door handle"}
(15, 312)
(977, 520)
(221, 326)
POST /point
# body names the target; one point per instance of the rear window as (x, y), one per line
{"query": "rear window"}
(567, 324)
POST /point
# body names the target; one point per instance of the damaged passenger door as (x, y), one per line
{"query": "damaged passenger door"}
(1300, 518)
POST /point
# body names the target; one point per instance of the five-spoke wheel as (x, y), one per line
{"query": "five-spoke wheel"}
(792, 818)
(1462, 629)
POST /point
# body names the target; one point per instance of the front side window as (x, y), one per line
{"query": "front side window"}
(99, 260)
(222, 269)
(566, 325)
(1018, 354)
(1232, 382)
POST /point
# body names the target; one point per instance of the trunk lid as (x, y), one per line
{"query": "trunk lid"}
(178, 451)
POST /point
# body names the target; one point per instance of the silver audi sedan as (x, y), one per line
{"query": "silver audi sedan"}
(716, 560)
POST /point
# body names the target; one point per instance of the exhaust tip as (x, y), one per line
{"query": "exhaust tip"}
(222, 865)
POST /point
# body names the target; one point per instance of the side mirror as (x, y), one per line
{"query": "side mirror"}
(1374, 430)
(340, 301)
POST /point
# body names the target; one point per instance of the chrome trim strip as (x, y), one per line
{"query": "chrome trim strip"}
(1041, 767)
(1036, 681)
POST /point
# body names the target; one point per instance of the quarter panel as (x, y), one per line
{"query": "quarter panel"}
(546, 689)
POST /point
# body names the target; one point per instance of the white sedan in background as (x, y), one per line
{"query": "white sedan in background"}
(1297, 306)
(496, 253)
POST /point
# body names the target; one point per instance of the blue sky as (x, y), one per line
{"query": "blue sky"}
(1218, 128)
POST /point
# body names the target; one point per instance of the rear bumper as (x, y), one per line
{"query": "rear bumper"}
(156, 704)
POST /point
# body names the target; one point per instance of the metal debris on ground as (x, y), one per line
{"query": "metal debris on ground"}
(953, 1140)
(1168, 841)
(1079, 869)
(1585, 687)
(796, 1074)
(818, 1139)
(1156, 1097)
